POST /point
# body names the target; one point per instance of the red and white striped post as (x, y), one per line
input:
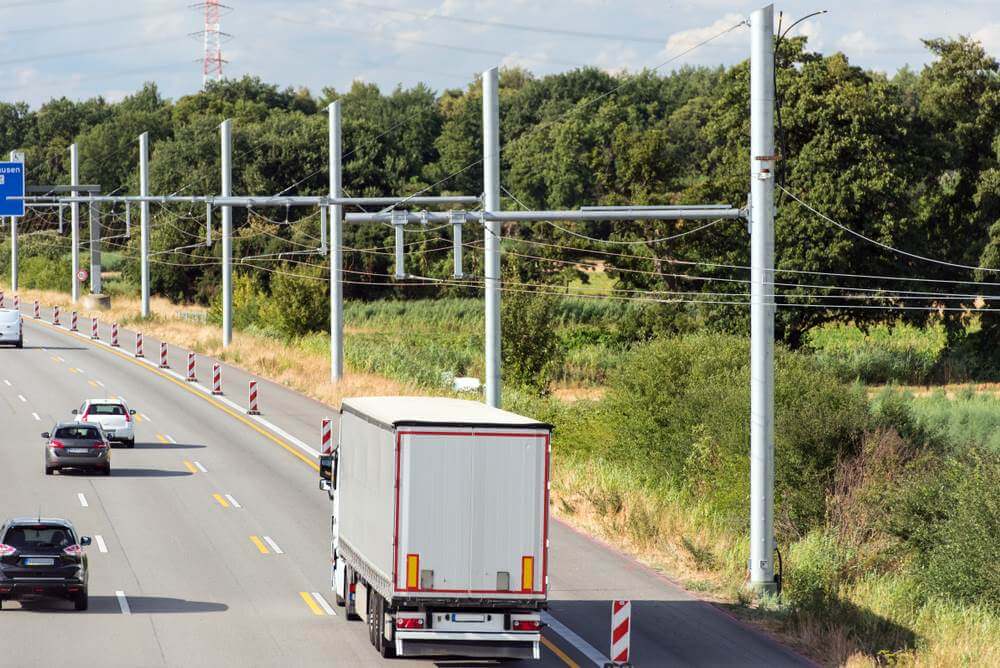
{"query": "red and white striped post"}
(93, 329)
(216, 378)
(72, 322)
(164, 364)
(38, 312)
(326, 437)
(17, 302)
(55, 315)
(253, 409)
(1, 300)
(114, 335)
(190, 374)
(138, 344)
(621, 622)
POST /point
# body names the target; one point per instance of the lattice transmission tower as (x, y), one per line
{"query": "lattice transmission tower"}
(213, 37)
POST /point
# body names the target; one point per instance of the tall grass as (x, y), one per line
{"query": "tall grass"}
(899, 353)
(966, 419)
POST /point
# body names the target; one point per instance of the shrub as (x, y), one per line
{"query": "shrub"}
(532, 351)
(299, 303)
(815, 566)
(679, 409)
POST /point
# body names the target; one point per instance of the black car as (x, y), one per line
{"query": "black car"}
(42, 558)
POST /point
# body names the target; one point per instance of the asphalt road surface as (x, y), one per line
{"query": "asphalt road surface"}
(213, 543)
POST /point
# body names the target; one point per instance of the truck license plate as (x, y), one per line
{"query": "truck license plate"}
(467, 617)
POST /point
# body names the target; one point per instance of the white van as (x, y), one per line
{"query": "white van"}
(10, 327)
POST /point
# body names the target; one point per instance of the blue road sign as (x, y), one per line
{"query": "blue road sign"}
(11, 185)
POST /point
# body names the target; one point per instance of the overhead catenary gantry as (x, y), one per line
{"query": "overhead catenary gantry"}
(398, 212)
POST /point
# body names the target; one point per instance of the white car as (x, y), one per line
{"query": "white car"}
(113, 416)
(10, 327)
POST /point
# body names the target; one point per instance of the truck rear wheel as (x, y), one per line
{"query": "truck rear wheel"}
(384, 647)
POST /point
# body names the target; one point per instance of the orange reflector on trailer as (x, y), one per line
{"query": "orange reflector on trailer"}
(412, 571)
(527, 573)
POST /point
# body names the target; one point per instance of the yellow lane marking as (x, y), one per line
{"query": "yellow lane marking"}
(222, 501)
(55, 359)
(73, 369)
(311, 603)
(92, 383)
(161, 438)
(138, 418)
(558, 652)
(260, 545)
(205, 397)
(190, 467)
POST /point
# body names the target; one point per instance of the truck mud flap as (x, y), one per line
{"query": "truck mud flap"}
(477, 649)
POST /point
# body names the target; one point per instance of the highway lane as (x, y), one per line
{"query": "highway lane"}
(194, 560)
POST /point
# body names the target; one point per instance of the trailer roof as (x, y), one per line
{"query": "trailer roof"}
(439, 411)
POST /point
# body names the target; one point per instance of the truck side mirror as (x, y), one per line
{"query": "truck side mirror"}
(327, 471)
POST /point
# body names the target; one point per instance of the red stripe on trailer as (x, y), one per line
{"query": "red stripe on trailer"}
(216, 378)
(190, 374)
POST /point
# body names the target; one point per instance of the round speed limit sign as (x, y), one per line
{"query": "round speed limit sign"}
(82, 275)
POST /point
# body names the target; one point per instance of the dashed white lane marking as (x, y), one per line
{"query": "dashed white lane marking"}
(200, 467)
(123, 603)
(83, 500)
(274, 546)
(100, 544)
(99, 383)
(35, 415)
(233, 501)
(170, 438)
(576, 641)
(6, 382)
(145, 417)
(80, 370)
(21, 397)
(323, 604)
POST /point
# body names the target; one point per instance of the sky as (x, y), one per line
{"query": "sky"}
(54, 48)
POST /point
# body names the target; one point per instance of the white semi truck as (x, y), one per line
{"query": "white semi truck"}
(440, 525)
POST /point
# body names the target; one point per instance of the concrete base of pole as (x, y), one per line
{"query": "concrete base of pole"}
(766, 588)
(97, 302)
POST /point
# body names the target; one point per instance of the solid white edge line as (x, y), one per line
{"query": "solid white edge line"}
(323, 604)
(83, 500)
(233, 501)
(575, 640)
(273, 545)
(101, 545)
(123, 603)
(35, 415)
(200, 467)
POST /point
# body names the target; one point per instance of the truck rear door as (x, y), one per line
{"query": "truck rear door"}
(472, 511)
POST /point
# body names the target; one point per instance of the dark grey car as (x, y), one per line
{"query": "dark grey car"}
(43, 558)
(76, 445)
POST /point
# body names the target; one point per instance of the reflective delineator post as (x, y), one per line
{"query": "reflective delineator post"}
(190, 372)
(164, 364)
(93, 329)
(55, 315)
(252, 404)
(17, 303)
(216, 378)
(326, 437)
(138, 344)
(72, 322)
(1, 300)
(621, 622)
(114, 335)
(38, 311)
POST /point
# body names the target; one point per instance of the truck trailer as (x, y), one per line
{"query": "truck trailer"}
(440, 525)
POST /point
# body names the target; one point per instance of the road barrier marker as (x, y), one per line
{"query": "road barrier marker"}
(114, 335)
(274, 546)
(190, 374)
(38, 313)
(216, 378)
(621, 621)
(83, 500)
(72, 322)
(138, 344)
(253, 408)
(93, 329)
(260, 545)
(326, 437)
(1, 300)
(101, 546)
(123, 603)
(164, 364)
(17, 303)
(55, 316)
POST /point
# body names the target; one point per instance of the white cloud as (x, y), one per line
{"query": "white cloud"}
(989, 35)
(857, 43)
(679, 42)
